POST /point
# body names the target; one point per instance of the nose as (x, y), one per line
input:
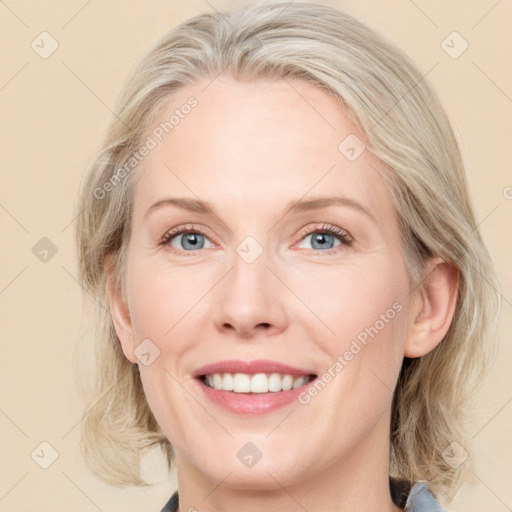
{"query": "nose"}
(251, 300)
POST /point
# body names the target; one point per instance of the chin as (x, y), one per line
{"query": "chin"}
(268, 474)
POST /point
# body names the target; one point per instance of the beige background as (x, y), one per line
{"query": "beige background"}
(53, 112)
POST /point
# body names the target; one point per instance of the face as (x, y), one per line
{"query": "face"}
(271, 292)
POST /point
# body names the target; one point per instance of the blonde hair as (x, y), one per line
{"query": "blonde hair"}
(405, 127)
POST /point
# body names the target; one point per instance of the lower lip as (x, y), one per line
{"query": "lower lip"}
(251, 404)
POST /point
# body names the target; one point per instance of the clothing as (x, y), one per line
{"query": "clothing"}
(418, 499)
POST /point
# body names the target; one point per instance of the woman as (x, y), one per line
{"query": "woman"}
(295, 302)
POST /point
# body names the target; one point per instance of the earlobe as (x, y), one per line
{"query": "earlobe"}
(119, 311)
(434, 307)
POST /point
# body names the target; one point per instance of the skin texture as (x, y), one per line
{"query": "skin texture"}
(248, 148)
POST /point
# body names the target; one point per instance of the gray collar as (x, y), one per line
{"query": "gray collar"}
(420, 499)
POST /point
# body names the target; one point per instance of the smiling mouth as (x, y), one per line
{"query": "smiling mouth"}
(255, 383)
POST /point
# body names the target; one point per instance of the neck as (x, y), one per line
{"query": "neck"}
(357, 481)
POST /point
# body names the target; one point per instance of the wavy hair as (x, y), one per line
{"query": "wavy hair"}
(405, 126)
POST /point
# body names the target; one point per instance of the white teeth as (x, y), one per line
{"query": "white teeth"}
(241, 383)
(299, 381)
(257, 383)
(287, 382)
(274, 382)
(227, 382)
(217, 380)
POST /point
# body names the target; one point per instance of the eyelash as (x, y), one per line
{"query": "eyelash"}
(326, 228)
(342, 236)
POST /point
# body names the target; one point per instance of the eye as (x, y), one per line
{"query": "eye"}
(186, 238)
(323, 238)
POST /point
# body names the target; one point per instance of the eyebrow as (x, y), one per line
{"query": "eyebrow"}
(296, 206)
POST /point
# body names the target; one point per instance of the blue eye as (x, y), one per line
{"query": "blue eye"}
(188, 239)
(323, 239)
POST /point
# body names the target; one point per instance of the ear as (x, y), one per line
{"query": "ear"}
(119, 311)
(433, 307)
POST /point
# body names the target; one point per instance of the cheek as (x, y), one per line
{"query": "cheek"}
(364, 310)
(363, 358)
(161, 299)
(348, 299)
(164, 395)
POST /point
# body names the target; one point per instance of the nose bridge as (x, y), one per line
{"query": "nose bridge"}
(249, 296)
(249, 280)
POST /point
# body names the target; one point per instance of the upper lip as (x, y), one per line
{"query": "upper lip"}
(250, 367)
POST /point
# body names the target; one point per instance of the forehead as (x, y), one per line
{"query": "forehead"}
(257, 145)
